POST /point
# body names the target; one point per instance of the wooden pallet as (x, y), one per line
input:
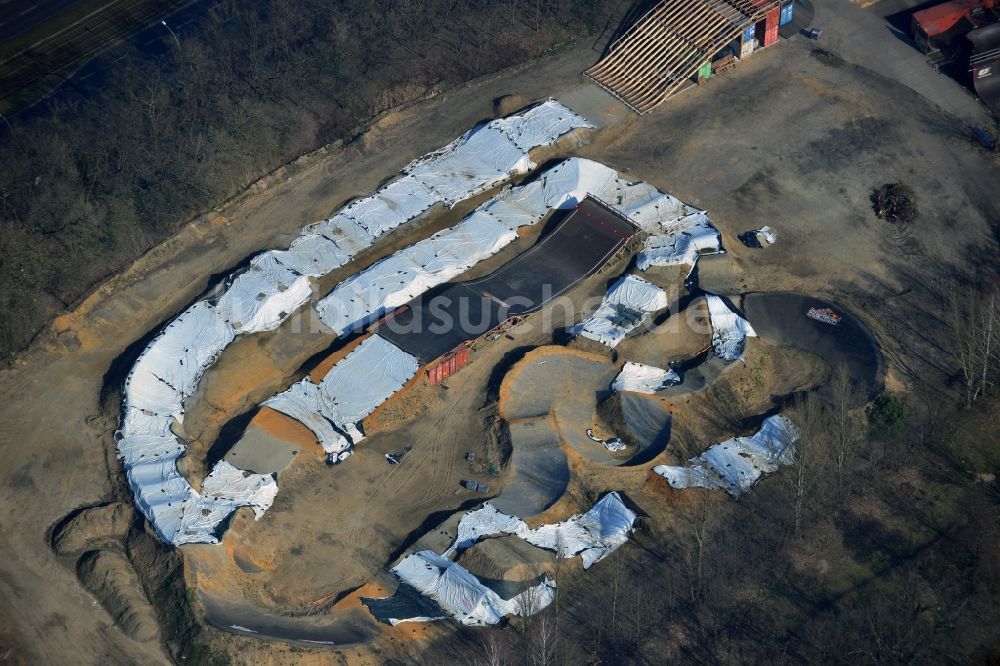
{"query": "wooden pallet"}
(666, 46)
(727, 62)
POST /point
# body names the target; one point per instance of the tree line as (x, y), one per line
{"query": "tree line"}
(88, 186)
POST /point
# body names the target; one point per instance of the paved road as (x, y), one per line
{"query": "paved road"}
(440, 320)
(27, 76)
(19, 16)
(859, 37)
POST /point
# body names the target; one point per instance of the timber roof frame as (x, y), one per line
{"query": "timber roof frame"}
(652, 60)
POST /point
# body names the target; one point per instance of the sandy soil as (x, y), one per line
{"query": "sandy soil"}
(788, 139)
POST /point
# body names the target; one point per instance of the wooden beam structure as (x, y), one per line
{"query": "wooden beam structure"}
(655, 57)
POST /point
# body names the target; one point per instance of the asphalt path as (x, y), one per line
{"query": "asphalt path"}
(341, 629)
(781, 318)
(539, 472)
(433, 324)
(406, 603)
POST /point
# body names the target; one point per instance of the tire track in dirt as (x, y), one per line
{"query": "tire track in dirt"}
(439, 474)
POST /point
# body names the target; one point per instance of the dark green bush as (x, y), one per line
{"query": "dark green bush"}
(887, 416)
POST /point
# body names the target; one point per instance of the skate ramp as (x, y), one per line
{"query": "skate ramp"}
(568, 385)
(648, 420)
(538, 473)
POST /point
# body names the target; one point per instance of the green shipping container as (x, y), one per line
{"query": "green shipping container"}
(705, 71)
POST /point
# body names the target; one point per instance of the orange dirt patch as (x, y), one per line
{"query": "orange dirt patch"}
(402, 405)
(657, 484)
(284, 428)
(353, 600)
(413, 631)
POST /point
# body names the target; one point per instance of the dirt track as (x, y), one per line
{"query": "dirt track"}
(788, 139)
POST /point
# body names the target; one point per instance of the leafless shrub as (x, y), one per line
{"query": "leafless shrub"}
(894, 202)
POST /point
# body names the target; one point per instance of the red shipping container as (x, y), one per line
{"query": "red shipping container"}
(448, 365)
(771, 26)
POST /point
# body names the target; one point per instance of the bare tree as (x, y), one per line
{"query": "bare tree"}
(974, 325)
(557, 569)
(542, 646)
(846, 430)
(700, 519)
(528, 605)
(640, 611)
(616, 570)
(989, 338)
(496, 650)
(813, 427)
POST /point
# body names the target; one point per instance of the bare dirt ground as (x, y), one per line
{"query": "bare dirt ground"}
(51, 467)
(791, 138)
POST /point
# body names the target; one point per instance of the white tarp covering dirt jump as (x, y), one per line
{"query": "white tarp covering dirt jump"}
(682, 242)
(349, 237)
(492, 153)
(766, 236)
(169, 369)
(593, 535)
(349, 392)
(472, 164)
(165, 375)
(476, 161)
(304, 402)
(729, 330)
(181, 515)
(641, 378)
(398, 202)
(737, 464)
(569, 182)
(226, 483)
(261, 297)
(144, 437)
(412, 271)
(223, 491)
(485, 522)
(461, 595)
(313, 255)
(622, 310)
(540, 125)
